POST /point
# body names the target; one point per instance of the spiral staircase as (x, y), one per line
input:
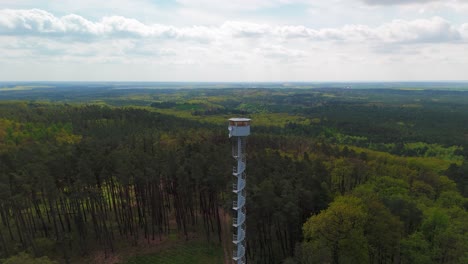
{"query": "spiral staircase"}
(238, 205)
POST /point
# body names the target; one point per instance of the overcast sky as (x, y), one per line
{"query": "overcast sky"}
(233, 40)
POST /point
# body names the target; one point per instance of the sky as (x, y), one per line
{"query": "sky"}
(233, 40)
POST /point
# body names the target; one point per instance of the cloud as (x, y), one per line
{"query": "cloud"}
(412, 2)
(431, 30)
(38, 36)
(41, 23)
(238, 5)
(36, 22)
(396, 2)
(24, 21)
(279, 52)
(464, 30)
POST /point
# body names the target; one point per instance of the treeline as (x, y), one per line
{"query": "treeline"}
(404, 213)
(126, 174)
(74, 179)
(126, 177)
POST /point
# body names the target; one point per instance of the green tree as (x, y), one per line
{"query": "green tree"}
(446, 234)
(337, 233)
(415, 250)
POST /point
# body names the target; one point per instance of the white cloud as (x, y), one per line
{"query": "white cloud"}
(243, 5)
(109, 47)
(452, 8)
(409, 2)
(396, 2)
(435, 29)
(41, 23)
(455, 7)
(279, 52)
(37, 22)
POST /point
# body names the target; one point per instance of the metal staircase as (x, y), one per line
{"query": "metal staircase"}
(239, 128)
(238, 152)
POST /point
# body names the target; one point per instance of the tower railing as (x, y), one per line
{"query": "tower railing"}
(239, 220)
(238, 186)
(239, 254)
(237, 238)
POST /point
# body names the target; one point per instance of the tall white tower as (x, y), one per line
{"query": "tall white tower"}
(239, 128)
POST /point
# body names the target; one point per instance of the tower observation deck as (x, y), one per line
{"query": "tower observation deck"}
(239, 129)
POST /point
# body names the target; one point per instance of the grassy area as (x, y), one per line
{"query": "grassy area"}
(260, 119)
(190, 252)
(23, 88)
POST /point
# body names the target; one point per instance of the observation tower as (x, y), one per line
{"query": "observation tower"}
(239, 128)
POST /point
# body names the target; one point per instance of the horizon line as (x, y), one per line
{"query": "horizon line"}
(283, 82)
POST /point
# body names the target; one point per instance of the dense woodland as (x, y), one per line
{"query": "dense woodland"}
(334, 175)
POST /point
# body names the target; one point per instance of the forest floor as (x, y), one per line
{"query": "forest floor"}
(172, 248)
(144, 247)
(226, 235)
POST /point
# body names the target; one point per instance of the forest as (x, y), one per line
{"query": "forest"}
(142, 172)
